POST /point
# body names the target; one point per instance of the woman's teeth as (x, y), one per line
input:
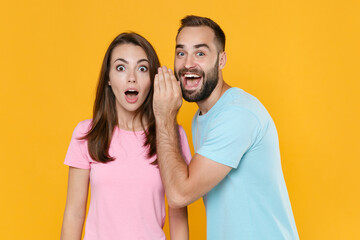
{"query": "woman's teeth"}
(131, 93)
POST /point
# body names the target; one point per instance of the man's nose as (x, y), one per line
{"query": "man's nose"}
(189, 62)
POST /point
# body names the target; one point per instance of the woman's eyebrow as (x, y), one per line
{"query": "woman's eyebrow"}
(121, 59)
(142, 60)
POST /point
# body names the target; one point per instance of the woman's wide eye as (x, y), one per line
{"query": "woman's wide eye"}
(120, 68)
(143, 69)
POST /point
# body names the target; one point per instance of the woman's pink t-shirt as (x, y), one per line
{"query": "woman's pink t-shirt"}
(127, 195)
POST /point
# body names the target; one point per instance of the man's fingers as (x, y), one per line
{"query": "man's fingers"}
(162, 82)
(167, 83)
(166, 76)
(174, 83)
(167, 93)
(156, 83)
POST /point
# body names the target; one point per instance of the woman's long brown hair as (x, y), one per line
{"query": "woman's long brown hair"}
(104, 113)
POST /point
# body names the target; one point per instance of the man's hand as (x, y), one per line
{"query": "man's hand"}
(167, 95)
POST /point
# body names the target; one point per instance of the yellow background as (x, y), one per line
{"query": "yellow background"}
(299, 58)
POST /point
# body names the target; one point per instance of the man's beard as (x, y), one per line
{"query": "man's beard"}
(208, 85)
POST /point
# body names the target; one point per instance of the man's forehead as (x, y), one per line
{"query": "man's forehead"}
(191, 36)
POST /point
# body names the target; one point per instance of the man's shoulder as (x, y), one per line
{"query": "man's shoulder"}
(238, 98)
(240, 101)
(238, 107)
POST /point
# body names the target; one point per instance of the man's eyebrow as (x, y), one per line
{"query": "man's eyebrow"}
(202, 45)
(195, 46)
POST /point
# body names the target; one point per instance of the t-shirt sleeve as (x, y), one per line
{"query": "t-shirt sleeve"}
(184, 145)
(231, 133)
(77, 154)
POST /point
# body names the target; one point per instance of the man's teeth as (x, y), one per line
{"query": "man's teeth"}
(191, 76)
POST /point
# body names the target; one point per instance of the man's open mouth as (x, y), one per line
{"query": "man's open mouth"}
(191, 80)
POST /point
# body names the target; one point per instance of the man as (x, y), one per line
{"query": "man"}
(236, 166)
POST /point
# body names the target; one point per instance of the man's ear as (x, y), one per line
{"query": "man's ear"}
(222, 59)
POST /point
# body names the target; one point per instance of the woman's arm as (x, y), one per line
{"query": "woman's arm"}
(75, 210)
(178, 223)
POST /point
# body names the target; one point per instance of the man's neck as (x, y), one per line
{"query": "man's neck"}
(206, 104)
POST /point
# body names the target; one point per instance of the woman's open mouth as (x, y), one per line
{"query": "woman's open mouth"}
(131, 95)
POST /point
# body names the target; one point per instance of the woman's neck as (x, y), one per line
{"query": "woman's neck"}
(129, 123)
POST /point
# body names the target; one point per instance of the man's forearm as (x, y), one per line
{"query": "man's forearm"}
(173, 169)
(178, 223)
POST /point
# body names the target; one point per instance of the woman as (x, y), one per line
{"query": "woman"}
(115, 153)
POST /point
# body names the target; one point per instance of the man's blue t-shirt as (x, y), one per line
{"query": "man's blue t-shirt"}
(252, 201)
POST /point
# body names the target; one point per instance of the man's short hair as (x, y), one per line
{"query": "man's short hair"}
(196, 21)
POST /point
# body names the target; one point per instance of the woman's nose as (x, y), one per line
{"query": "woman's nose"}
(132, 78)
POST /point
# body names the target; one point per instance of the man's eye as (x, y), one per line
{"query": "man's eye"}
(120, 68)
(200, 54)
(181, 54)
(143, 69)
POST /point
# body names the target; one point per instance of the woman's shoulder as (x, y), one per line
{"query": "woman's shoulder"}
(83, 127)
(85, 123)
(182, 133)
(181, 128)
